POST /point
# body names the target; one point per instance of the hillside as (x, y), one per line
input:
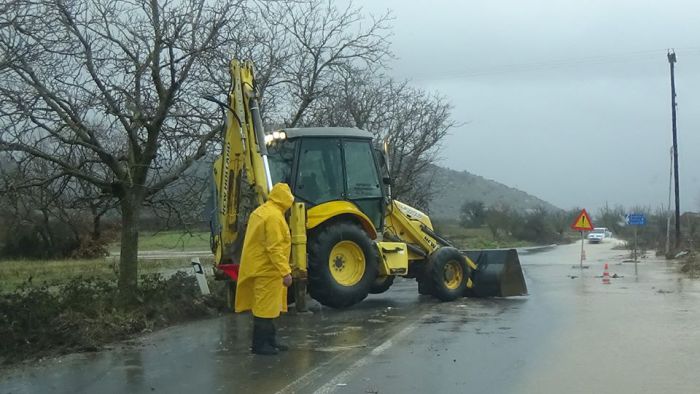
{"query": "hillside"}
(456, 187)
(453, 189)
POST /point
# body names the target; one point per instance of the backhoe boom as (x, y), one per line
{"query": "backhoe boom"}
(243, 159)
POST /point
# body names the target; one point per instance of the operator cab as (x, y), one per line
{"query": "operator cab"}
(323, 164)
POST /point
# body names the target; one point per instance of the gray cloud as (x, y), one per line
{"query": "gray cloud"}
(567, 100)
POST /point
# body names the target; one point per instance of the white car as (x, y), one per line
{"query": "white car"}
(598, 235)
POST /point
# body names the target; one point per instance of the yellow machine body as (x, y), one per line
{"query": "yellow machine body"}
(393, 257)
(321, 213)
(240, 161)
(353, 242)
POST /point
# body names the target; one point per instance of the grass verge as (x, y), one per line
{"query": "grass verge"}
(51, 272)
(169, 240)
(85, 313)
(476, 238)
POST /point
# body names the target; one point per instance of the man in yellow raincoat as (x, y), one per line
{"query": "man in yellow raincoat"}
(265, 273)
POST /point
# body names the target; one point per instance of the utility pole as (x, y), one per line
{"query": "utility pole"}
(667, 251)
(671, 61)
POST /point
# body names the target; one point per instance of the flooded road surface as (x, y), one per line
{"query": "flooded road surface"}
(572, 334)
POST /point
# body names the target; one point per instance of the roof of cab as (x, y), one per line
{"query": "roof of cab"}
(327, 132)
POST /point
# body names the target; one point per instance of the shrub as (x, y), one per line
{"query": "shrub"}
(84, 313)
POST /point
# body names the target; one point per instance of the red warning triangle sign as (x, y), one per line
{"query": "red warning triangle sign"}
(582, 222)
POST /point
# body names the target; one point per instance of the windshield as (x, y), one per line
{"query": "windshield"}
(320, 171)
(281, 158)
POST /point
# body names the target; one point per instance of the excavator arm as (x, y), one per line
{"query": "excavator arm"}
(242, 164)
(242, 180)
(493, 273)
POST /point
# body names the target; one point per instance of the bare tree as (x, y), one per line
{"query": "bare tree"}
(64, 213)
(182, 204)
(306, 45)
(412, 121)
(109, 92)
(42, 205)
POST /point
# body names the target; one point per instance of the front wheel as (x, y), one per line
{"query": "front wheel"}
(448, 273)
(343, 265)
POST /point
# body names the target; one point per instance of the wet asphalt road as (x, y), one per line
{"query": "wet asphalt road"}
(571, 334)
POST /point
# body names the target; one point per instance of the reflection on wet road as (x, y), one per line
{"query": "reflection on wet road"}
(571, 334)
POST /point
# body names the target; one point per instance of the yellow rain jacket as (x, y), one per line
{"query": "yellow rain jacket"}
(265, 258)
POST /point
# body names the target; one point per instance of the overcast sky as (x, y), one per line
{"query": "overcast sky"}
(567, 100)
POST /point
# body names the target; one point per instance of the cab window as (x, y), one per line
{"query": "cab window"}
(320, 171)
(281, 159)
(362, 179)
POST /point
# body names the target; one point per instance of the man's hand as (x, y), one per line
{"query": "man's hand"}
(287, 280)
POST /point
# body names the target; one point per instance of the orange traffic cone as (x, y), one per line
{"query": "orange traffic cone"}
(606, 275)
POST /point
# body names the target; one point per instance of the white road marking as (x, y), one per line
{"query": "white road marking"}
(331, 385)
(342, 377)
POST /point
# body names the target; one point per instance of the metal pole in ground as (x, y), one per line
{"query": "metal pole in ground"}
(635, 250)
(667, 250)
(581, 258)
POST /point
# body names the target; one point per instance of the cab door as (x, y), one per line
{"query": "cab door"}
(320, 171)
(362, 183)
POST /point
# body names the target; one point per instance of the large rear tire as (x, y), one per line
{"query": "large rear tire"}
(448, 274)
(343, 264)
(381, 284)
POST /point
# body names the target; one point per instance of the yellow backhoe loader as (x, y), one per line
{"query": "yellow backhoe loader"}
(349, 237)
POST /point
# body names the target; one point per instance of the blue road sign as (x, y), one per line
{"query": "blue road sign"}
(636, 219)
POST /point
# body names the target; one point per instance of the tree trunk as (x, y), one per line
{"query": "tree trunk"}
(47, 234)
(96, 226)
(494, 231)
(47, 250)
(128, 259)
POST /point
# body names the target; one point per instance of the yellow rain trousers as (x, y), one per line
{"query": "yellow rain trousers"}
(265, 258)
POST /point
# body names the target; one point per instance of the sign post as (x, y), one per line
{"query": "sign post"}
(199, 274)
(582, 223)
(583, 252)
(636, 220)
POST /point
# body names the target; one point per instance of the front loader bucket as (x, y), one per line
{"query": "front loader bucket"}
(498, 274)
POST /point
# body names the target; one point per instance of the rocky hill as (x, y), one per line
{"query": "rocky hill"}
(456, 187)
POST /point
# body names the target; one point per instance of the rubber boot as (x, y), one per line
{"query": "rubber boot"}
(273, 337)
(261, 335)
